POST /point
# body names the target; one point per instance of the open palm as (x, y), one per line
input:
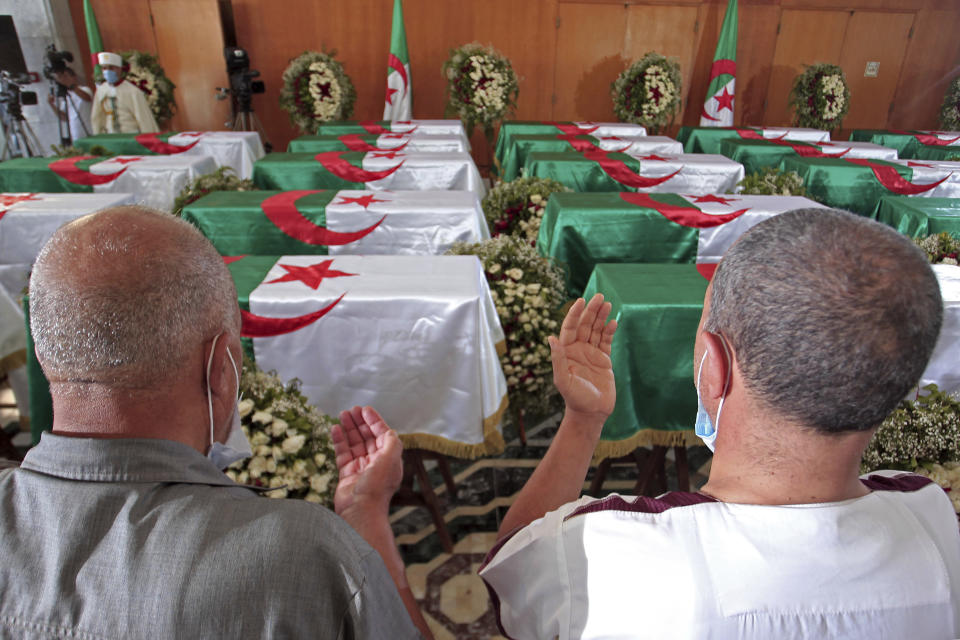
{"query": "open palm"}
(368, 458)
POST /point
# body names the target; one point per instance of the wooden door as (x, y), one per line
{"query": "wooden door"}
(873, 37)
(804, 38)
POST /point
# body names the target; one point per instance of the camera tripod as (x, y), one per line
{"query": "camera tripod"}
(64, 103)
(19, 140)
(248, 121)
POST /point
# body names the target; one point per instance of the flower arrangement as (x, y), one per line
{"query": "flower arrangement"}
(70, 151)
(143, 70)
(922, 436)
(950, 109)
(648, 92)
(292, 451)
(481, 86)
(316, 89)
(772, 182)
(528, 291)
(223, 179)
(941, 248)
(820, 97)
(516, 207)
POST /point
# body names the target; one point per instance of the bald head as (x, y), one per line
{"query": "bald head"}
(121, 297)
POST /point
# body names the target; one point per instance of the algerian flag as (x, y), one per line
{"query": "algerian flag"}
(93, 35)
(718, 107)
(398, 104)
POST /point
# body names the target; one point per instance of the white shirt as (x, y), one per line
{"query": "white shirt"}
(133, 111)
(79, 113)
(886, 565)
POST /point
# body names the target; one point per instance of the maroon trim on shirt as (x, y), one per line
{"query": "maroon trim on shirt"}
(900, 482)
(643, 504)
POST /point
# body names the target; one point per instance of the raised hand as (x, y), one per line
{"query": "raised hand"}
(582, 371)
(369, 458)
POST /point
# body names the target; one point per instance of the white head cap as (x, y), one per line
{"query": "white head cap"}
(105, 57)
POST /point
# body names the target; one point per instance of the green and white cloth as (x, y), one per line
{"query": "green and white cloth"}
(523, 145)
(708, 139)
(718, 107)
(917, 217)
(513, 128)
(421, 127)
(756, 155)
(385, 141)
(909, 143)
(698, 173)
(398, 102)
(581, 230)
(336, 222)
(375, 170)
(414, 336)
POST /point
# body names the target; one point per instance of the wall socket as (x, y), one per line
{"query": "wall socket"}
(872, 70)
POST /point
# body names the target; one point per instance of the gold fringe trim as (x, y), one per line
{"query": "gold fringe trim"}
(13, 361)
(501, 348)
(644, 438)
(492, 444)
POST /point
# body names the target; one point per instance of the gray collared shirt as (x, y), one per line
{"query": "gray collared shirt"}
(136, 538)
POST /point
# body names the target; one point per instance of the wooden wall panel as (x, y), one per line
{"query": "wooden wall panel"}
(191, 53)
(879, 37)
(932, 60)
(806, 37)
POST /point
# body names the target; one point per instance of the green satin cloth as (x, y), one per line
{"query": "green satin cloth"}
(905, 144)
(33, 175)
(706, 139)
(290, 171)
(248, 273)
(509, 130)
(522, 145)
(837, 183)
(657, 308)
(236, 225)
(756, 155)
(933, 152)
(121, 144)
(317, 144)
(576, 172)
(917, 217)
(580, 230)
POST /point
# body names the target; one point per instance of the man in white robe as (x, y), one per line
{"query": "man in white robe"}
(119, 106)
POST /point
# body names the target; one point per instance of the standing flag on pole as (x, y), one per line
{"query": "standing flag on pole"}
(399, 101)
(718, 107)
(93, 35)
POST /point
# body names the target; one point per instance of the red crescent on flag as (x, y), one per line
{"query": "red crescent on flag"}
(372, 127)
(893, 181)
(67, 169)
(282, 211)
(704, 114)
(151, 142)
(254, 326)
(354, 142)
(571, 129)
(339, 167)
(619, 171)
(707, 269)
(684, 216)
(926, 138)
(583, 145)
(722, 66)
(394, 63)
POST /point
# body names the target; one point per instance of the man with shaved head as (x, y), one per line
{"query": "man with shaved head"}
(120, 523)
(816, 325)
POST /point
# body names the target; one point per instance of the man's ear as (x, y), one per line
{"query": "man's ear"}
(220, 376)
(717, 368)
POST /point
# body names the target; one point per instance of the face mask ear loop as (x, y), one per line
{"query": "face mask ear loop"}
(726, 384)
(209, 393)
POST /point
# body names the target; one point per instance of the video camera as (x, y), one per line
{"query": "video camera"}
(11, 97)
(55, 62)
(242, 85)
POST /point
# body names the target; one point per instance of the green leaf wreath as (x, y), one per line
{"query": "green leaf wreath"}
(941, 248)
(290, 438)
(143, 70)
(481, 86)
(528, 291)
(648, 92)
(820, 97)
(316, 89)
(223, 179)
(772, 182)
(516, 207)
(950, 109)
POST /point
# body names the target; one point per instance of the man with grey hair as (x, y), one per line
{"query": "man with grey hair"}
(120, 523)
(817, 323)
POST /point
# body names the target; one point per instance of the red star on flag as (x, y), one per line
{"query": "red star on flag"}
(363, 201)
(127, 160)
(390, 93)
(724, 100)
(386, 154)
(654, 156)
(8, 200)
(712, 198)
(311, 276)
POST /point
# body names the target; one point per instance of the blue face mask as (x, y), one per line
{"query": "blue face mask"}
(111, 76)
(705, 428)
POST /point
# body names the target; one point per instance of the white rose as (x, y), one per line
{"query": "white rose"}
(245, 406)
(262, 417)
(320, 483)
(278, 428)
(258, 439)
(293, 444)
(313, 497)
(257, 466)
(319, 459)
